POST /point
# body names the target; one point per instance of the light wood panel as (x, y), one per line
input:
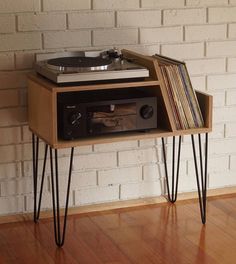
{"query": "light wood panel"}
(152, 64)
(89, 87)
(206, 105)
(41, 112)
(146, 61)
(154, 133)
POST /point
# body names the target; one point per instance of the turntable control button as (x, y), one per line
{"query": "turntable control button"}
(74, 118)
(146, 111)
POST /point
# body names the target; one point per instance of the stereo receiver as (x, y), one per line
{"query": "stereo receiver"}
(92, 113)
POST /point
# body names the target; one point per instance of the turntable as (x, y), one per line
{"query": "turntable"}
(86, 66)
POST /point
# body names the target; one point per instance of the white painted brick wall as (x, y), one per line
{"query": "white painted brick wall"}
(153, 172)
(147, 18)
(231, 65)
(10, 205)
(206, 66)
(116, 146)
(83, 179)
(12, 79)
(61, 5)
(230, 129)
(139, 190)
(221, 48)
(10, 153)
(115, 37)
(10, 170)
(206, 2)
(120, 175)
(226, 146)
(7, 61)
(35, 22)
(67, 39)
(115, 4)
(131, 157)
(162, 3)
(205, 32)
(233, 162)
(198, 83)
(95, 161)
(216, 180)
(187, 183)
(184, 50)
(161, 35)
(97, 195)
(24, 60)
(219, 98)
(7, 23)
(221, 161)
(12, 116)
(218, 131)
(8, 98)
(201, 32)
(25, 151)
(225, 114)
(26, 134)
(10, 135)
(222, 14)
(91, 20)
(20, 41)
(16, 187)
(46, 203)
(83, 149)
(186, 150)
(232, 31)
(146, 49)
(147, 142)
(222, 81)
(80, 180)
(12, 6)
(231, 97)
(184, 16)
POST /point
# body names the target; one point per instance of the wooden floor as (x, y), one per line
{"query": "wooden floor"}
(162, 233)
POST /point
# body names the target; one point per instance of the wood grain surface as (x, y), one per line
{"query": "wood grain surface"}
(162, 233)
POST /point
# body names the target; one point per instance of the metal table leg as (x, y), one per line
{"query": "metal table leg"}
(202, 182)
(175, 179)
(59, 237)
(35, 149)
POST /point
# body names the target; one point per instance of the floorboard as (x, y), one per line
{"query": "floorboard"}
(155, 234)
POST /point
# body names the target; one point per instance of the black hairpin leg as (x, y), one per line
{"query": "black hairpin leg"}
(35, 149)
(201, 183)
(174, 184)
(59, 238)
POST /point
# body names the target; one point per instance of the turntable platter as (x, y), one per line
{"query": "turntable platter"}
(78, 64)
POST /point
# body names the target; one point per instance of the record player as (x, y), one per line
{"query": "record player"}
(88, 66)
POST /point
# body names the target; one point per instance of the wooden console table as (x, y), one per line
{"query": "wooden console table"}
(42, 101)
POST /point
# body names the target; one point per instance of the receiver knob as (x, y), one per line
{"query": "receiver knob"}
(74, 118)
(146, 111)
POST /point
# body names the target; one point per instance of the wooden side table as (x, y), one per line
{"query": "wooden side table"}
(42, 101)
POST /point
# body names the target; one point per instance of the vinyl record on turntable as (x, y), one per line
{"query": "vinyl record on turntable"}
(79, 64)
